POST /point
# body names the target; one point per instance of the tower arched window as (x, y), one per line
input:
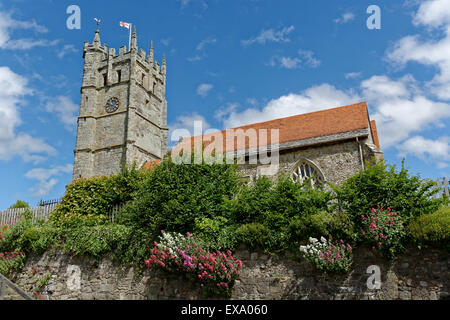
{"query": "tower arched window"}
(305, 170)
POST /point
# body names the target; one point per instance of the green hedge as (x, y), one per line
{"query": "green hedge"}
(383, 185)
(172, 197)
(212, 202)
(432, 229)
(91, 200)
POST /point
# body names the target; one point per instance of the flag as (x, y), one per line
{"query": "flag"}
(125, 24)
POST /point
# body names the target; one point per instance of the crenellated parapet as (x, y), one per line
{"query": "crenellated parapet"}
(123, 109)
(98, 57)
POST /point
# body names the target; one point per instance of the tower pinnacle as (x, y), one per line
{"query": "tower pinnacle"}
(134, 39)
(151, 54)
(97, 37)
(163, 68)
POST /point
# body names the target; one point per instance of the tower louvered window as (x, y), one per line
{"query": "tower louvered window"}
(305, 171)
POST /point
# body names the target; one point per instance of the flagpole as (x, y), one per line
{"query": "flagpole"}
(129, 42)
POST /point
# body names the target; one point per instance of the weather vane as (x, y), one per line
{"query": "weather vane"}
(98, 22)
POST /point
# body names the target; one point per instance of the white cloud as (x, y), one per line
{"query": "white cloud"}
(421, 147)
(204, 42)
(43, 188)
(436, 53)
(290, 63)
(13, 88)
(68, 48)
(184, 127)
(65, 110)
(26, 44)
(345, 17)
(400, 109)
(353, 75)
(270, 35)
(434, 13)
(46, 178)
(304, 58)
(195, 58)
(184, 2)
(204, 89)
(382, 88)
(252, 101)
(8, 24)
(166, 41)
(313, 99)
(202, 3)
(442, 165)
(224, 111)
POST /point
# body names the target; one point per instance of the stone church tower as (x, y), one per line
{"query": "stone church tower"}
(123, 110)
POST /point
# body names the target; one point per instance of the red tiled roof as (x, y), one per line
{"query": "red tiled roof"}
(300, 127)
(150, 165)
(373, 128)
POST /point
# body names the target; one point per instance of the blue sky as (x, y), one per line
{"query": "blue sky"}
(228, 63)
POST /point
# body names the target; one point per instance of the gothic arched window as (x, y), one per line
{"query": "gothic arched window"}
(305, 170)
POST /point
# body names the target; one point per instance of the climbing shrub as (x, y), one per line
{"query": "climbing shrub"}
(383, 185)
(254, 235)
(278, 208)
(91, 200)
(336, 224)
(217, 232)
(275, 204)
(96, 241)
(173, 196)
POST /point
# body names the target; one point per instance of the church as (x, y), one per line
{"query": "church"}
(123, 120)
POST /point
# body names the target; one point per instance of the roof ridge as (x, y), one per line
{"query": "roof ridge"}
(303, 126)
(302, 114)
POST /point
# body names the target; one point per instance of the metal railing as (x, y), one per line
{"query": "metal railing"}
(4, 282)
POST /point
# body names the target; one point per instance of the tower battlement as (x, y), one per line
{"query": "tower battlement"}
(123, 110)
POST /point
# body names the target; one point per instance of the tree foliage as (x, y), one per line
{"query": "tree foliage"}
(383, 185)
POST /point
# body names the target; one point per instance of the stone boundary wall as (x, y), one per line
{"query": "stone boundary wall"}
(415, 275)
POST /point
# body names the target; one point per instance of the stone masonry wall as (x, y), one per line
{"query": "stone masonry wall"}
(415, 275)
(337, 161)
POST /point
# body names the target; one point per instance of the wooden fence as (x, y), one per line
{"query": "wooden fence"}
(442, 184)
(114, 211)
(11, 216)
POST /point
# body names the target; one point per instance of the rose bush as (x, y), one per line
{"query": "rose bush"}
(176, 253)
(383, 231)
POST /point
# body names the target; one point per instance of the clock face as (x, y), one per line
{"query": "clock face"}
(112, 105)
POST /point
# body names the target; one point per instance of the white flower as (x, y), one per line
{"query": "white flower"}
(313, 240)
(324, 241)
